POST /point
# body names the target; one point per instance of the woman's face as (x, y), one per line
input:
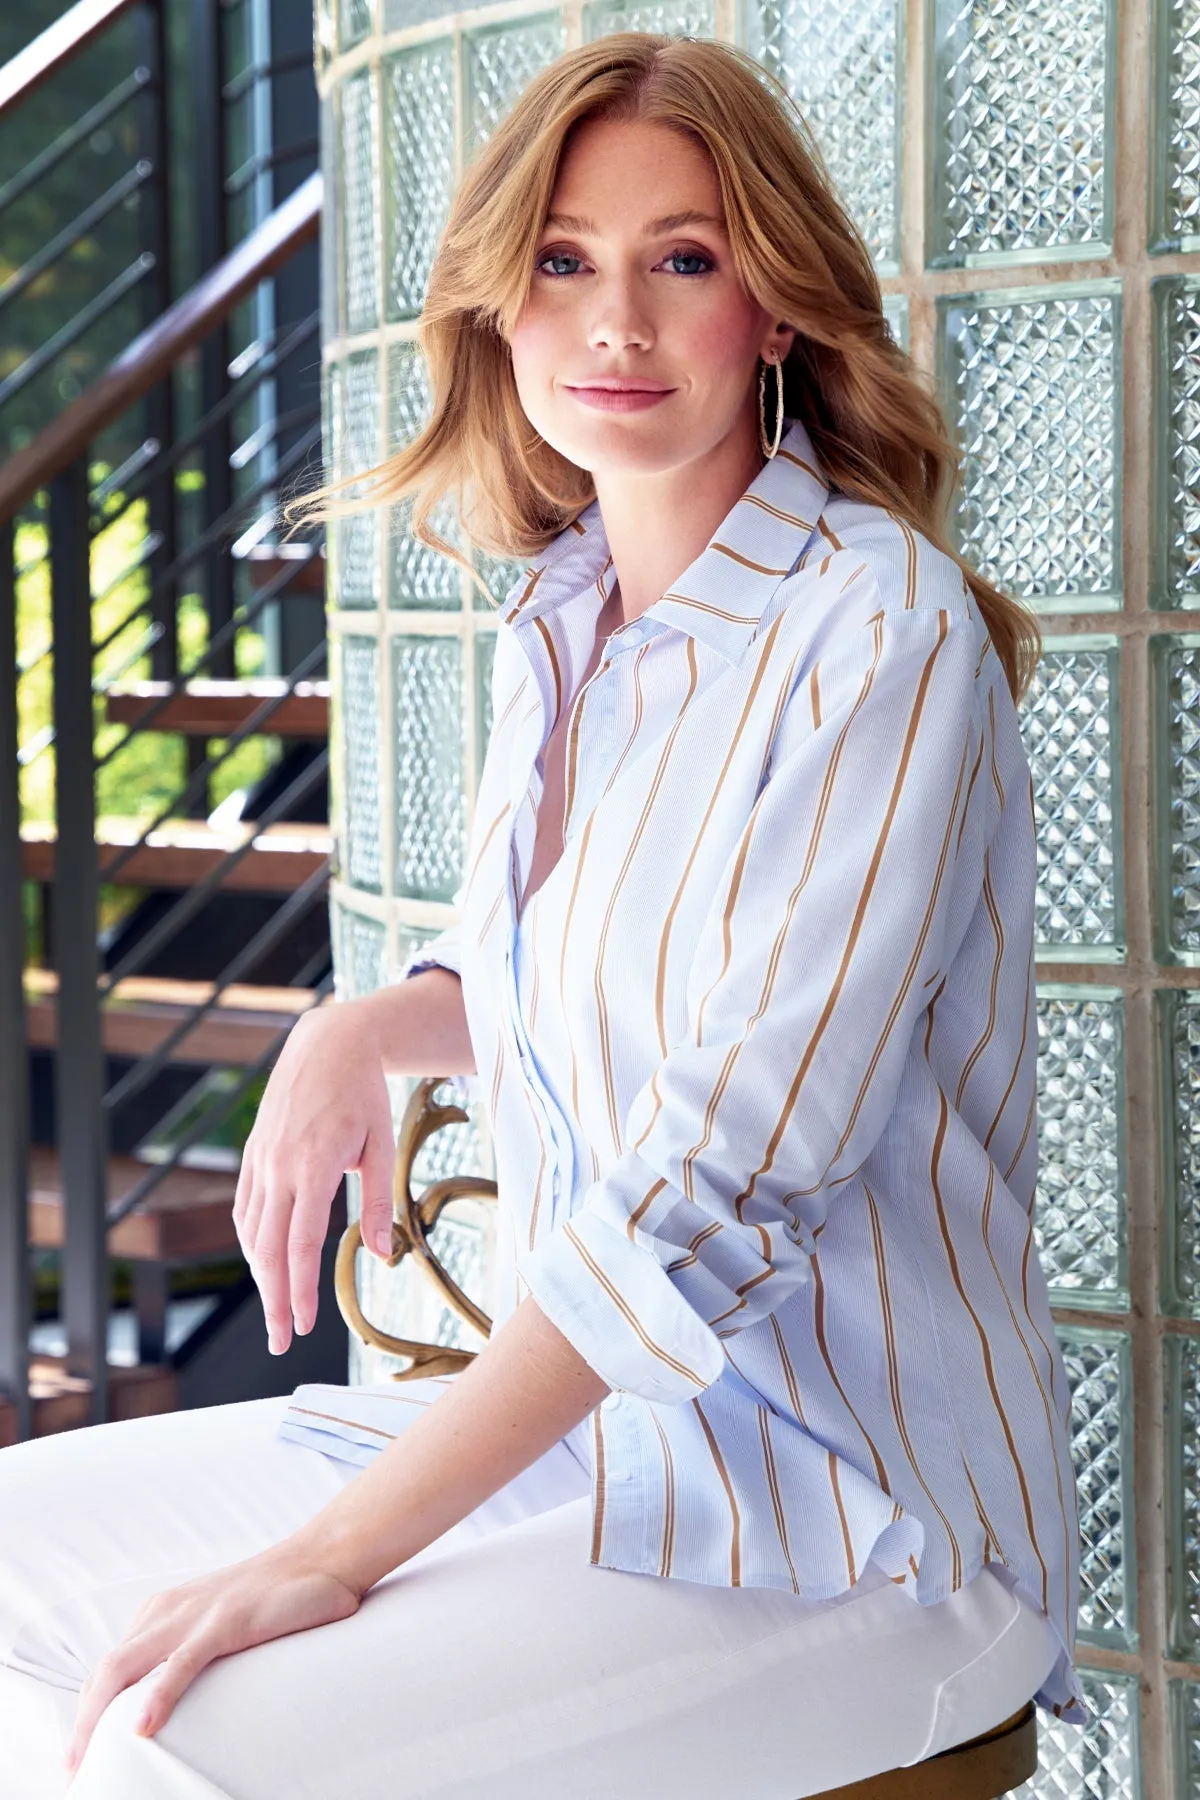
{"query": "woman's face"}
(625, 285)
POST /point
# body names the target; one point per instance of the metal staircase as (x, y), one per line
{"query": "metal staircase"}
(164, 836)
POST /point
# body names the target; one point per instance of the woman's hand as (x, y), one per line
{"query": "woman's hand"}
(325, 1110)
(185, 1628)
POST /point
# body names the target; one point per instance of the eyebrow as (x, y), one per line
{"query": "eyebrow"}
(669, 222)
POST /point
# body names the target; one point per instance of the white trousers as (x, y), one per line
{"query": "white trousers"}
(498, 1664)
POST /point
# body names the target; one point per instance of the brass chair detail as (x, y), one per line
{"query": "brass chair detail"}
(986, 1767)
(412, 1221)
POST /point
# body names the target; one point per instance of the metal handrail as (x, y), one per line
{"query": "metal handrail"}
(74, 135)
(55, 46)
(154, 351)
(80, 225)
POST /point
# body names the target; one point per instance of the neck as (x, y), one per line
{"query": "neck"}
(657, 525)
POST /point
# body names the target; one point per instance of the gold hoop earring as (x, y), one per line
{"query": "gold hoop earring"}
(776, 363)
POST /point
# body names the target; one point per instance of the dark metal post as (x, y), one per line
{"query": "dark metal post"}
(14, 1068)
(79, 1065)
(208, 115)
(155, 220)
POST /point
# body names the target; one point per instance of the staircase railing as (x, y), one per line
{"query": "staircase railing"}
(128, 536)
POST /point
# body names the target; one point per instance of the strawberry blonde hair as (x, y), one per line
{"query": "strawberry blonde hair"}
(878, 432)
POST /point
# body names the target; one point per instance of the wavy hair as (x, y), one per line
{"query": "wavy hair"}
(878, 432)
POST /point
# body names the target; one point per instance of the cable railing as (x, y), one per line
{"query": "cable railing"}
(124, 549)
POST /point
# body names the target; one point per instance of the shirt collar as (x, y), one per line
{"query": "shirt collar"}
(721, 596)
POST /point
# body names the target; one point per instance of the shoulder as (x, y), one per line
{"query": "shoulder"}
(861, 562)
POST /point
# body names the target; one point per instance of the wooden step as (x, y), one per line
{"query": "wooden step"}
(182, 852)
(218, 708)
(188, 1215)
(266, 561)
(60, 1400)
(141, 1010)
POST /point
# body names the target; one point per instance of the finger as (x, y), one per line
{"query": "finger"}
(252, 1218)
(178, 1673)
(269, 1265)
(111, 1676)
(306, 1239)
(245, 1184)
(375, 1176)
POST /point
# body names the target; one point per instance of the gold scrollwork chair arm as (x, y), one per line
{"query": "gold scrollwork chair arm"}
(412, 1222)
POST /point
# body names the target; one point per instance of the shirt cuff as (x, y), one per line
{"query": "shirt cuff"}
(616, 1304)
(441, 952)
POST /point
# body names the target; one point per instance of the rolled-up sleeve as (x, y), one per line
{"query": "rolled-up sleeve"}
(441, 952)
(816, 964)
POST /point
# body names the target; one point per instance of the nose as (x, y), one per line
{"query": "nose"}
(619, 315)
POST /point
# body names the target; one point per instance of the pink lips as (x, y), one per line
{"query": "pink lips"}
(625, 397)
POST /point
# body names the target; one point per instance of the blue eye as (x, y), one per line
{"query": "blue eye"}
(693, 256)
(554, 256)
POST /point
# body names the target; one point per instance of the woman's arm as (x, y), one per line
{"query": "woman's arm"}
(420, 1025)
(523, 1392)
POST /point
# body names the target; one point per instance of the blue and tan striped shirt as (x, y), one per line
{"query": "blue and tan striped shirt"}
(758, 1056)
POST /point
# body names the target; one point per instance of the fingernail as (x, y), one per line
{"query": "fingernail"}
(273, 1343)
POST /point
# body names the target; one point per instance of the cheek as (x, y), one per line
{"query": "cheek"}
(720, 336)
(534, 342)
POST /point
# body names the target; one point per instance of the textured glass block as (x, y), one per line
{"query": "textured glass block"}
(1178, 545)
(361, 707)
(485, 657)
(1097, 1761)
(840, 61)
(502, 573)
(1178, 134)
(1023, 129)
(418, 139)
(1178, 665)
(324, 34)
(354, 21)
(1079, 1213)
(499, 62)
(430, 803)
(1068, 720)
(330, 249)
(419, 577)
(1031, 386)
(358, 946)
(358, 201)
(895, 311)
(1100, 1379)
(1182, 1374)
(1183, 1699)
(1180, 1015)
(678, 18)
(354, 446)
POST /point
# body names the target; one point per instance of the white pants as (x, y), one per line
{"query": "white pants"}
(498, 1664)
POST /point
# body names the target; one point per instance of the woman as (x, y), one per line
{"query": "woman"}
(762, 1482)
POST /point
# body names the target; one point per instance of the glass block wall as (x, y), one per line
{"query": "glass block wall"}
(1027, 174)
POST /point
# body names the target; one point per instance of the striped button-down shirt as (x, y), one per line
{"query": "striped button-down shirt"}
(758, 1057)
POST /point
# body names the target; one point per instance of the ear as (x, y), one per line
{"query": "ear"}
(779, 344)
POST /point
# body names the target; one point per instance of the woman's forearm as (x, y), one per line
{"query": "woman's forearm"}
(525, 1390)
(419, 1025)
